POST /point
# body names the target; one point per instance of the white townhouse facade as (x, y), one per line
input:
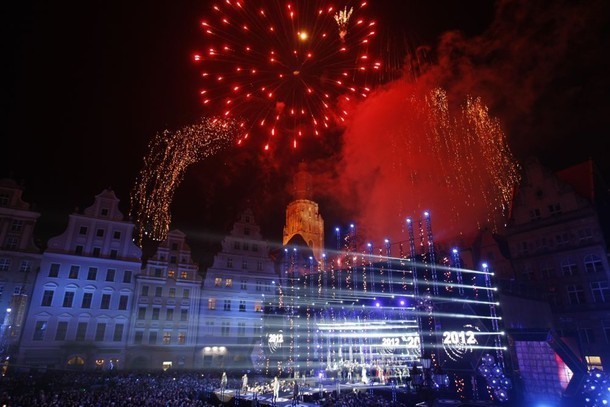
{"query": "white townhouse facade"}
(83, 297)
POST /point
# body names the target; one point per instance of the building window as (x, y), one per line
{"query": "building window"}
(81, 331)
(141, 312)
(47, 298)
(99, 233)
(62, 330)
(167, 338)
(68, 299)
(17, 225)
(585, 235)
(5, 264)
(246, 247)
(127, 276)
(229, 282)
(212, 303)
(535, 214)
(186, 293)
(209, 328)
(39, 330)
(173, 259)
(227, 306)
(229, 262)
(123, 299)
(258, 307)
(576, 294)
(174, 246)
(155, 314)
(247, 231)
(594, 362)
(554, 209)
(73, 272)
(236, 245)
(569, 268)
(137, 339)
(105, 304)
(26, 266)
(169, 314)
(100, 330)
(241, 329)
(114, 254)
(593, 264)
(152, 337)
(172, 292)
(181, 338)
(244, 264)
(158, 291)
(259, 285)
(116, 235)
(562, 239)
(82, 230)
(158, 272)
(600, 291)
(171, 274)
(92, 273)
(110, 274)
(87, 298)
(144, 291)
(184, 275)
(78, 250)
(11, 243)
(218, 281)
(244, 284)
(104, 212)
(259, 265)
(118, 332)
(242, 306)
(184, 314)
(225, 329)
(4, 199)
(54, 270)
(547, 271)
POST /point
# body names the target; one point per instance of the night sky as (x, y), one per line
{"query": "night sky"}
(88, 84)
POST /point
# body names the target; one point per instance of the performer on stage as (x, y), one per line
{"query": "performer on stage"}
(276, 389)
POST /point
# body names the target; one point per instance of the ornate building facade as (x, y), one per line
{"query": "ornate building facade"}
(81, 305)
(19, 262)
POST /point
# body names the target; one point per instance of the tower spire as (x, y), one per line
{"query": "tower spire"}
(302, 216)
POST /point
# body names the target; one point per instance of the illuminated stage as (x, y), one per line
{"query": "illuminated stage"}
(375, 318)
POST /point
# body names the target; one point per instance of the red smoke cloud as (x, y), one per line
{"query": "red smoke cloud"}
(401, 157)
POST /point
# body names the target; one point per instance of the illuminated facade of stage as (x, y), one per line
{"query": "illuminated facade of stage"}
(371, 316)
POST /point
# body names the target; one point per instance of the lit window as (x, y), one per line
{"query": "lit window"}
(593, 264)
(229, 282)
(181, 338)
(218, 281)
(184, 275)
(212, 303)
(167, 338)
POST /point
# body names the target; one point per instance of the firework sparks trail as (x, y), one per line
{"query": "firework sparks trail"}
(170, 153)
(453, 161)
(290, 69)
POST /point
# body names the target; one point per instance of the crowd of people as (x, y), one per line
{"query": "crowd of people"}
(167, 389)
(82, 389)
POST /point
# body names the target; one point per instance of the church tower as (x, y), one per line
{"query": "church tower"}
(302, 217)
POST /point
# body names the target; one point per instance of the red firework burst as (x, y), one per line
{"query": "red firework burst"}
(285, 68)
